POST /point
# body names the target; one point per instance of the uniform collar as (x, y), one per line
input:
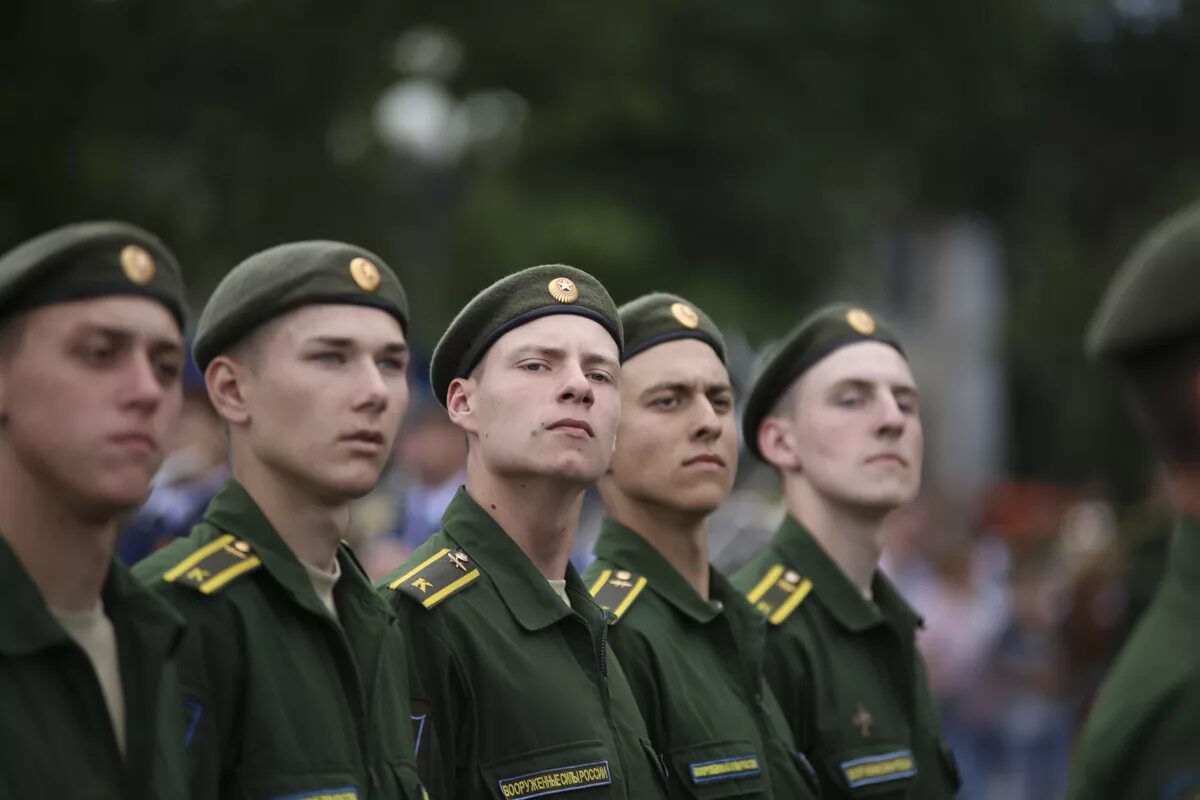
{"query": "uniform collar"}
(803, 553)
(628, 550)
(524, 590)
(232, 510)
(27, 626)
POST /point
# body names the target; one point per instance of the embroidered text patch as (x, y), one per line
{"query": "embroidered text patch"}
(555, 781)
(723, 769)
(879, 769)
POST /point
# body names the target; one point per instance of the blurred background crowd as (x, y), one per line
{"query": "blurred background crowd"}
(972, 171)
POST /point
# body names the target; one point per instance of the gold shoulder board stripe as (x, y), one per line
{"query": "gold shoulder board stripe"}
(437, 577)
(214, 565)
(779, 593)
(615, 590)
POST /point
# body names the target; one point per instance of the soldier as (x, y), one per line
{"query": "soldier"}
(835, 411)
(294, 672)
(91, 354)
(1142, 738)
(522, 694)
(690, 644)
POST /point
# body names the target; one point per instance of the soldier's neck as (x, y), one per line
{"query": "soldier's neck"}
(540, 514)
(851, 535)
(681, 537)
(66, 550)
(311, 524)
(1183, 489)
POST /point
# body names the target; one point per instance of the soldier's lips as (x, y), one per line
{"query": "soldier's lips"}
(572, 427)
(706, 461)
(135, 442)
(888, 458)
(365, 441)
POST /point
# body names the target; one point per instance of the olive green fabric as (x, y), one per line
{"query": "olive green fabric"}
(1155, 296)
(87, 260)
(55, 730)
(696, 670)
(280, 279)
(509, 303)
(821, 333)
(1142, 737)
(281, 699)
(525, 697)
(849, 678)
(656, 318)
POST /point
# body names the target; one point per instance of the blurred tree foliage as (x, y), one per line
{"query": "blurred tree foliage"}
(741, 152)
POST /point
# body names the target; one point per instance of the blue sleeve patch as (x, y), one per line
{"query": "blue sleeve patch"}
(555, 781)
(882, 768)
(418, 723)
(192, 711)
(343, 793)
(725, 769)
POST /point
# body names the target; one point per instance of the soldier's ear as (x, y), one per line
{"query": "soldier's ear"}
(228, 383)
(460, 399)
(778, 443)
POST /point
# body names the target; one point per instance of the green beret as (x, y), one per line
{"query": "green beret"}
(826, 330)
(1155, 296)
(511, 302)
(653, 319)
(86, 260)
(281, 279)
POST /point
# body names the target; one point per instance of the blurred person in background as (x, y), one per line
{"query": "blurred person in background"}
(91, 353)
(1142, 737)
(194, 469)
(836, 411)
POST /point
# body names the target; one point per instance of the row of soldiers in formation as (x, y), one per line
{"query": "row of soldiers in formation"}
(254, 659)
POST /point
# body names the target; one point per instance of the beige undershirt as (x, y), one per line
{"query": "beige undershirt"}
(323, 583)
(560, 589)
(93, 631)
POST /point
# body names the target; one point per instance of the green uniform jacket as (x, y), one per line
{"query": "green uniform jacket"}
(281, 700)
(696, 669)
(56, 735)
(1142, 738)
(848, 674)
(524, 696)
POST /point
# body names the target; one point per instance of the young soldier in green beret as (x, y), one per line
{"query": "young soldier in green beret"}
(295, 672)
(1142, 738)
(522, 693)
(835, 411)
(91, 356)
(690, 644)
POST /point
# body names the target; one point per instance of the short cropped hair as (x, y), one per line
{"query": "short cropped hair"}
(1163, 385)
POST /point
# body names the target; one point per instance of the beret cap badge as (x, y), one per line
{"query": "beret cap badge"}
(365, 274)
(137, 264)
(563, 290)
(686, 315)
(860, 321)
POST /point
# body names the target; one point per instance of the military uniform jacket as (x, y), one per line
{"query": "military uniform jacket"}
(1142, 738)
(696, 669)
(56, 735)
(282, 701)
(848, 675)
(523, 695)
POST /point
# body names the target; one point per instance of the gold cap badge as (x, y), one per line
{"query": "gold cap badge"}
(861, 321)
(365, 274)
(686, 315)
(563, 290)
(137, 264)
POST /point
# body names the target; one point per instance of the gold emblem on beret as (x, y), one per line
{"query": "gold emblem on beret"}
(366, 275)
(137, 264)
(686, 315)
(564, 290)
(861, 321)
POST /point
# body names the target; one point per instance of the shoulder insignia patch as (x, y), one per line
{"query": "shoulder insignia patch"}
(437, 577)
(615, 590)
(214, 565)
(779, 593)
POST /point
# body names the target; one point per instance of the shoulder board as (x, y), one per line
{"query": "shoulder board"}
(615, 590)
(217, 563)
(433, 580)
(779, 593)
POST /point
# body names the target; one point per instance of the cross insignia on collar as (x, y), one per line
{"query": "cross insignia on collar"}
(862, 720)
